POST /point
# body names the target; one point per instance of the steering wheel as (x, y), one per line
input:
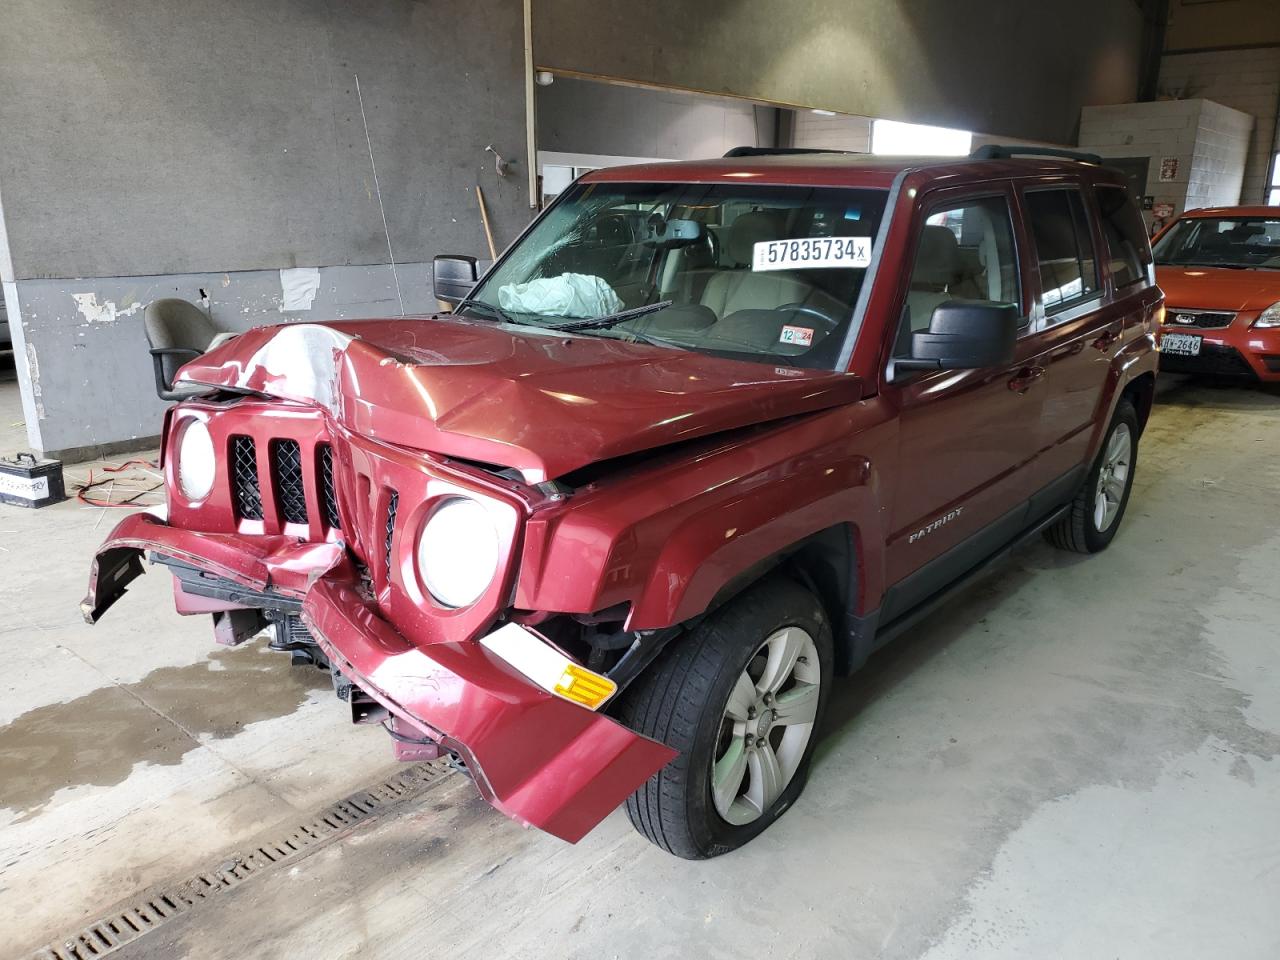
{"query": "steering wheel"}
(827, 319)
(710, 245)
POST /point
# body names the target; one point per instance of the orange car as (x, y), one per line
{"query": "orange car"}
(1220, 272)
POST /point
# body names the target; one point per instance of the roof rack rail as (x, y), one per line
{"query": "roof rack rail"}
(1001, 151)
(778, 151)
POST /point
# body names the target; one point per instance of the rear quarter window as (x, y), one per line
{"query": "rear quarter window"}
(1128, 250)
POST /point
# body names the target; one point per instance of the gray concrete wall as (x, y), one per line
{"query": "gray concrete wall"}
(1024, 69)
(154, 148)
(584, 116)
(191, 135)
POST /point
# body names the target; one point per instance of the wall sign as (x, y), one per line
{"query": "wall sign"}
(1168, 169)
(1163, 210)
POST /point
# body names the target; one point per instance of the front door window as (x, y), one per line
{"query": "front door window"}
(965, 251)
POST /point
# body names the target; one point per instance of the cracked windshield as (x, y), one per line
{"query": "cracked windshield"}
(749, 272)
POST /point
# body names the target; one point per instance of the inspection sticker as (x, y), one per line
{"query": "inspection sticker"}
(811, 253)
(800, 336)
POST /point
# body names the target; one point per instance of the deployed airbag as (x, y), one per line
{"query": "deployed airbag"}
(571, 295)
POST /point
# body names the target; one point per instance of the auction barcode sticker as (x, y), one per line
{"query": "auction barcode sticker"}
(811, 253)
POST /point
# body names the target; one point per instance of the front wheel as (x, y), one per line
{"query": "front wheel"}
(1098, 507)
(740, 697)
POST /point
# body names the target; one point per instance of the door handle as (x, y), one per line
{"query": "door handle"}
(1025, 378)
(1107, 338)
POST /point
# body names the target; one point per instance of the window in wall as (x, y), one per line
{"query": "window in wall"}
(894, 138)
(1064, 248)
(1128, 251)
(965, 251)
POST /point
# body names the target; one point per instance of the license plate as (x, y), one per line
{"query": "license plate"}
(1182, 344)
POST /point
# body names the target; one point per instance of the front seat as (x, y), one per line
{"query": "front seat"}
(178, 331)
(744, 289)
(938, 269)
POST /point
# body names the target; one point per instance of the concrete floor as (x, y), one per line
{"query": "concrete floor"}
(1078, 758)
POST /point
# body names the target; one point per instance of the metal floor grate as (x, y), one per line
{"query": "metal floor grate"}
(152, 908)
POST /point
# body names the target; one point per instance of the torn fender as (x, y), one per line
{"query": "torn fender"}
(539, 759)
(279, 563)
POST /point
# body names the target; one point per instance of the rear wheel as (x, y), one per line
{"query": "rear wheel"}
(740, 697)
(1098, 507)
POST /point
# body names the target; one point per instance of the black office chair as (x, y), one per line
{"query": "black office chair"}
(178, 331)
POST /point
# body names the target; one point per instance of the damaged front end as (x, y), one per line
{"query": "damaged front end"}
(540, 759)
(314, 533)
(387, 498)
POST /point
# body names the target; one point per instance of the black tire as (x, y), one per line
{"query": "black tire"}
(681, 701)
(1077, 530)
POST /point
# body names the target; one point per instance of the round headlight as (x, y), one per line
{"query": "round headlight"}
(458, 552)
(196, 461)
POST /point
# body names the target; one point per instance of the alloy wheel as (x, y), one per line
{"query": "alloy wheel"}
(766, 726)
(1113, 477)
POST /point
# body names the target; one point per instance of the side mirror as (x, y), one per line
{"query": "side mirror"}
(453, 276)
(965, 335)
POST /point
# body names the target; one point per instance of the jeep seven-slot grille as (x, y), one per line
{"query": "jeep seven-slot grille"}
(328, 489)
(244, 478)
(286, 500)
(392, 504)
(286, 467)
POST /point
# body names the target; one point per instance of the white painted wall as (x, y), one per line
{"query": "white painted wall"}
(836, 133)
(1208, 140)
(1246, 80)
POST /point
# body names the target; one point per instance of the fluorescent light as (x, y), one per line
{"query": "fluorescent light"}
(824, 113)
(893, 137)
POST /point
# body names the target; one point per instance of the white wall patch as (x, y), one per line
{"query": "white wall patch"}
(94, 312)
(298, 287)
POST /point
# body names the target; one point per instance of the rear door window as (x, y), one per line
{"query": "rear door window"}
(1064, 248)
(1128, 251)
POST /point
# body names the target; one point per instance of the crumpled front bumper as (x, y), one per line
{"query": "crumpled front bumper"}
(539, 759)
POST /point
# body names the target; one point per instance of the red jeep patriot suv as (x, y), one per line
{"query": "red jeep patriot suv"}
(700, 441)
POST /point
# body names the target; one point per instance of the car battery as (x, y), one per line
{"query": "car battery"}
(28, 482)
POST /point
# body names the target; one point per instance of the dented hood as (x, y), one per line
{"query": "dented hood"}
(514, 396)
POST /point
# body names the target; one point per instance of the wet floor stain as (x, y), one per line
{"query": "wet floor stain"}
(96, 739)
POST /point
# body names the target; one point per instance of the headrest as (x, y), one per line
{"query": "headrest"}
(937, 259)
(749, 229)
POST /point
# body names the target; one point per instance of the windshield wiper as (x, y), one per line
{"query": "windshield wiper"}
(613, 319)
(1202, 263)
(495, 313)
